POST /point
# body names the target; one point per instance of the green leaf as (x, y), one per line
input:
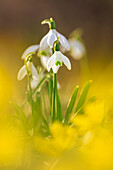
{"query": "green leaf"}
(91, 99)
(71, 104)
(37, 111)
(45, 128)
(83, 96)
(59, 110)
(50, 89)
(41, 83)
(21, 116)
(37, 88)
(40, 124)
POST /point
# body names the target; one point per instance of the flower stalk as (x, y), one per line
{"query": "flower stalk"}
(54, 95)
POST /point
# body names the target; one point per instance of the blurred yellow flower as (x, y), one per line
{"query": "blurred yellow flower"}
(97, 149)
(94, 114)
(62, 138)
(5, 87)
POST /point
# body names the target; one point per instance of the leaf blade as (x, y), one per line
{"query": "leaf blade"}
(83, 96)
(71, 104)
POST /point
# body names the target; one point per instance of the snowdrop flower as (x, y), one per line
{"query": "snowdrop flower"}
(58, 85)
(44, 60)
(52, 36)
(35, 82)
(28, 69)
(56, 60)
(77, 49)
(44, 56)
(30, 49)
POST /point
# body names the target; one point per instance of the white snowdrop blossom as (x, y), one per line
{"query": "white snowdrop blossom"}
(56, 60)
(77, 49)
(44, 60)
(34, 83)
(30, 49)
(58, 85)
(52, 36)
(28, 69)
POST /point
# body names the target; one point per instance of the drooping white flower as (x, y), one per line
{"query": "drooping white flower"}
(28, 69)
(56, 60)
(77, 49)
(44, 60)
(30, 49)
(35, 82)
(52, 36)
(58, 85)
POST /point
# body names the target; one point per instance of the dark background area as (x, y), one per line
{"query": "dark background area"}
(23, 17)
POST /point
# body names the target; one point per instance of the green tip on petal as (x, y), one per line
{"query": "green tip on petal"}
(58, 63)
(43, 53)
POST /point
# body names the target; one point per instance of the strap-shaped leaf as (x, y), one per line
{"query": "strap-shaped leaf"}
(59, 109)
(20, 115)
(83, 96)
(40, 84)
(50, 89)
(37, 111)
(91, 99)
(71, 104)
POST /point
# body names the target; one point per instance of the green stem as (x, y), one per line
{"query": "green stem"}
(30, 89)
(53, 97)
(56, 91)
(58, 106)
(50, 89)
(45, 110)
(40, 83)
(30, 97)
(38, 86)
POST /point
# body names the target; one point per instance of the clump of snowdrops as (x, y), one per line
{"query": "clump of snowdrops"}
(45, 79)
(82, 130)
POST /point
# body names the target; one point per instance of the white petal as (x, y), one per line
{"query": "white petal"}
(63, 41)
(43, 42)
(51, 38)
(29, 66)
(77, 49)
(44, 61)
(34, 72)
(58, 85)
(55, 68)
(34, 83)
(30, 49)
(58, 56)
(22, 72)
(66, 61)
(51, 62)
